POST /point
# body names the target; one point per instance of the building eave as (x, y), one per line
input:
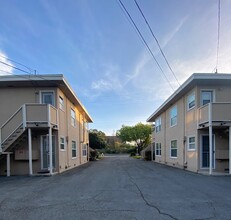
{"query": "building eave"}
(192, 81)
(45, 80)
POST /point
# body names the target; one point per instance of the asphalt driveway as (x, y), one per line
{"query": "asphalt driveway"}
(117, 188)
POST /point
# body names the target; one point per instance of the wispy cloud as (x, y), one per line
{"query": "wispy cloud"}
(4, 68)
(169, 36)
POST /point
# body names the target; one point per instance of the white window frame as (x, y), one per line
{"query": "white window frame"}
(73, 141)
(84, 150)
(190, 101)
(173, 157)
(61, 104)
(207, 90)
(174, 116)
(46, 91)
(158, 124)
(62, 143)
(73, 119)
(191, 143)
(158, 150)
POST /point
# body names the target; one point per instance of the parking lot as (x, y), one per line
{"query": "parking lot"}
(117, 187)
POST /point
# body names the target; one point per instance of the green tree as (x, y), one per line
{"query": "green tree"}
(97, 139)
(140, 134)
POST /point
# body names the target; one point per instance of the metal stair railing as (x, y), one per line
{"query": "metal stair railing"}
(9, 131)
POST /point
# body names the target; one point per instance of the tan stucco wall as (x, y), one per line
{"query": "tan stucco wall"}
(13, 99)
(175, 133)
(182, 131)
(70, 133)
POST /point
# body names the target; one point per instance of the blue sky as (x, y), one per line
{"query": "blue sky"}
(93, 44)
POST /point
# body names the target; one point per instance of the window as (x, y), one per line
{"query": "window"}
(47, 98)
(158, 125)
(73, 118)
(62, 143)
(206, 96)
(84, 149)
(158, 149)
(61, 103)
(74, 151)
(191, 144)
(173, 116)
(173, 149)
(191, 101)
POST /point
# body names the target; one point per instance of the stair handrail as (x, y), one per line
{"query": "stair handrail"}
(2, 140)
(11, 117)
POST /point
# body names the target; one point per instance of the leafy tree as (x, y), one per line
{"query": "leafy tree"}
(97, 139)
(140, 134)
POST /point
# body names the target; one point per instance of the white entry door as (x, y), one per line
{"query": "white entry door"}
(45, 154)
(205, 151)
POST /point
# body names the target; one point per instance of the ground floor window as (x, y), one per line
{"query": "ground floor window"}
(173, 152)
(74, 150)
(62, 143)
(191, 143)
(84, 150)
(158, 149)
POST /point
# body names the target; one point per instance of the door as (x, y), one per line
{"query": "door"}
(45, 152)
(47, 98)
(205, 151)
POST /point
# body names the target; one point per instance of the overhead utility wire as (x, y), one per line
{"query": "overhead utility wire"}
(30, 69)
(157, 42)
(145, 43)
(218, 33)
(38, 76)
(14, 67)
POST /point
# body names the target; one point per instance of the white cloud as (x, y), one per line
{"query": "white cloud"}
(5, 69)
(169, 36)
(101, 85)
(109, 81)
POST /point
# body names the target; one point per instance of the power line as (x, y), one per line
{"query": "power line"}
(144, 41)
(218, 33)
(157, 42)
(14, 67)
(30, 69)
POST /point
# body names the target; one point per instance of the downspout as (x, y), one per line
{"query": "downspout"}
(0, 140)
(67, 137)
(230, 150)
(210, 140)
(80, 138)
(165, 149)
(184, 136)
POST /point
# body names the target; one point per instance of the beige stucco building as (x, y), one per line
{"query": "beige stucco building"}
(43, 125)
(193, 126)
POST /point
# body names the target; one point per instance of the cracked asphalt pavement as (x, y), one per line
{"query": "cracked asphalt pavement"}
(117, 187)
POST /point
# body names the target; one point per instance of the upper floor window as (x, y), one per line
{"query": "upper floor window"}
(158, 124)
(191, 101)
(206, 96)
(173, 116)
(61, 103)
(73, 118)
(47, 97)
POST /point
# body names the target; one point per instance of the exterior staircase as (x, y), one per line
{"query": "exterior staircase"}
(13, 131)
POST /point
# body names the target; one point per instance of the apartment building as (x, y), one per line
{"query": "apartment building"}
(43, 125)
(193, 126)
